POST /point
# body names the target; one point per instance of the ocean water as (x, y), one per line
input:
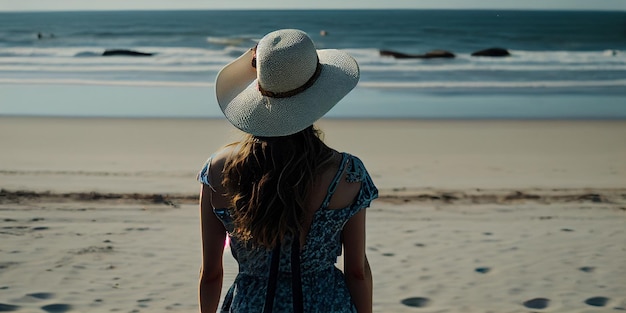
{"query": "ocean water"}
(562, 64)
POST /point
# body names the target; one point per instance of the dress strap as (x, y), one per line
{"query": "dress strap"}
(296, 279)
(270, 293)
(333, 185)
(296, 276)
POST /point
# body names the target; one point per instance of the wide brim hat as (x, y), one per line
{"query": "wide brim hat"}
(284, 84)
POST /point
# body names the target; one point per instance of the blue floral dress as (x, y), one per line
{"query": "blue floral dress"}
(323, 285)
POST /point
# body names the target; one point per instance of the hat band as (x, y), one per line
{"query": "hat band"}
(293, 92)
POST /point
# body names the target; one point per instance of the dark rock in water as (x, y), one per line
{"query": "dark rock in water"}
(439, 54)
(8, 307)
(492, 52)
(537, 303)
(597, 301)
(428, 55)
(88, 54)
(43, 36)
(397, 55)
(416, 302)
(126, 53)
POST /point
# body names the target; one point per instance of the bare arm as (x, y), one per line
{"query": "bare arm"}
(213, 237)
(356, 267)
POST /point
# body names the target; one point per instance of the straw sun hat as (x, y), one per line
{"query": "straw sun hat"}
(284, 84)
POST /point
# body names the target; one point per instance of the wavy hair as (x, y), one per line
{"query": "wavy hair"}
(267, 181)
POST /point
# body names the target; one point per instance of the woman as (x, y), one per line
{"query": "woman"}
(288, 202)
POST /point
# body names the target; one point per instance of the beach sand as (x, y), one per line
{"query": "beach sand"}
(100, 215)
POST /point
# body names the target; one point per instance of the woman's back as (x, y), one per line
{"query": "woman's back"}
(340, 191)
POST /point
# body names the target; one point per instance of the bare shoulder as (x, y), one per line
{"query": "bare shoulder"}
(220, 157)
(218, 162)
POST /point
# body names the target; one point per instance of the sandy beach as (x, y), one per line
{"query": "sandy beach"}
(100, 215)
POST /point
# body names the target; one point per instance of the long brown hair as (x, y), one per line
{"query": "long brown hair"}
(267, 181)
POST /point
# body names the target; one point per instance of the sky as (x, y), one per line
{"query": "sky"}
(81, 5)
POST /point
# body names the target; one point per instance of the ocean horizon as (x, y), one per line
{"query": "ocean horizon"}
(562, 64)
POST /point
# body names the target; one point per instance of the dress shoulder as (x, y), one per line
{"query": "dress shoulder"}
(204, 173)
(356, 172)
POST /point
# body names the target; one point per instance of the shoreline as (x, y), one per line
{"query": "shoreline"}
(363, 103)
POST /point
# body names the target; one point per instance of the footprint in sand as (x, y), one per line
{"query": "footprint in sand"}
(143, 302)
(8, 307)
(597, 301)
(416, 302)
(587, 269)
(57, 308)
(482, 270)
(537, 303)
(41, 295)
(5, 265)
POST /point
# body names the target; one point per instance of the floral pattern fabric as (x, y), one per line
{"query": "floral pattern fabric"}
(323, 284)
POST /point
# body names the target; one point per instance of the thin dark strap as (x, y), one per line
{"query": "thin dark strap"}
(333, 185)
(296, 279)
(273, 279)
